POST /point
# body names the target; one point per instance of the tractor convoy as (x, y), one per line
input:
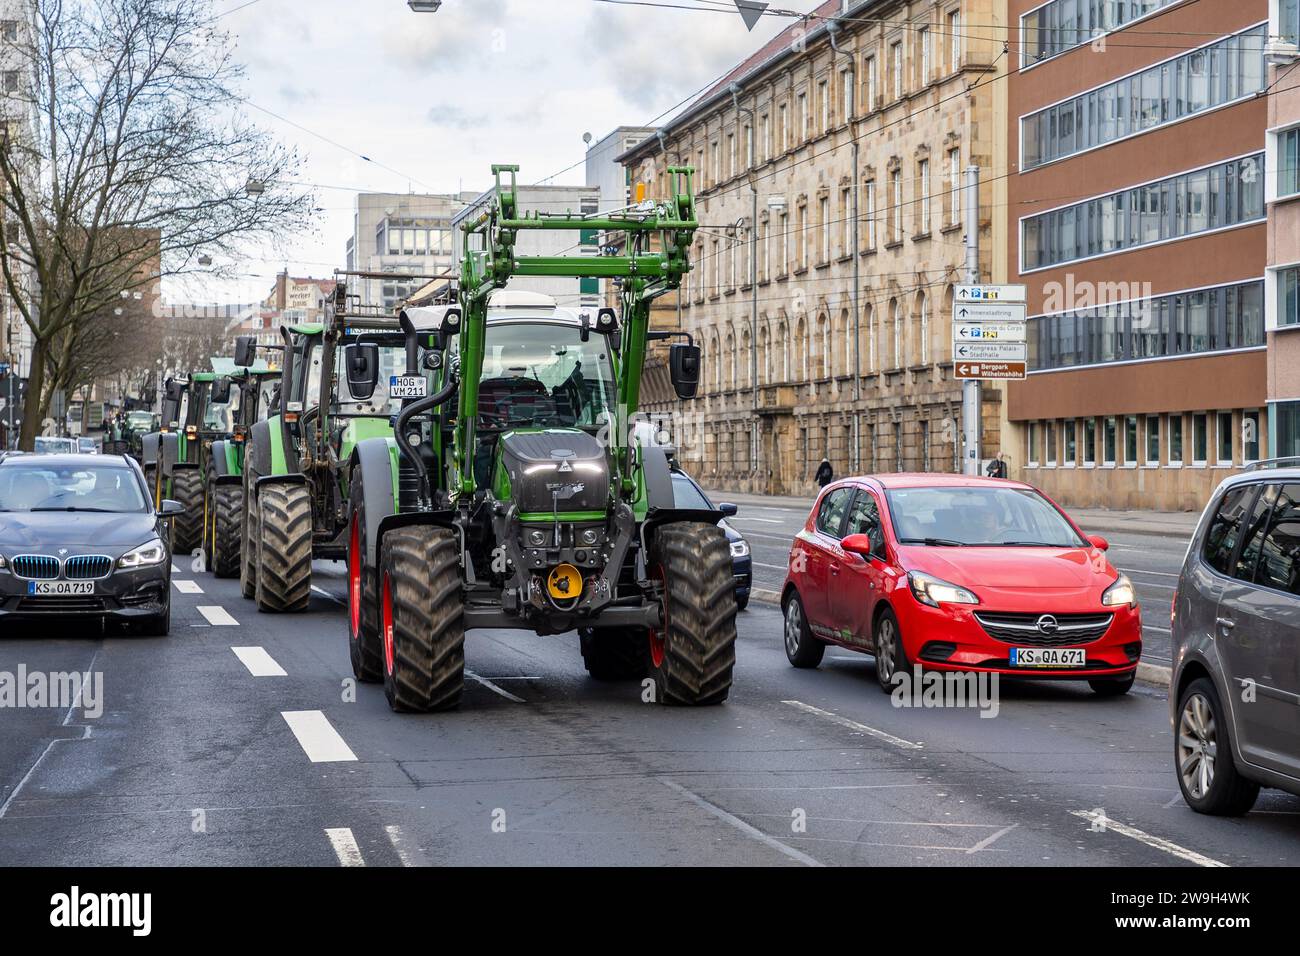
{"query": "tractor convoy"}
(476, 464)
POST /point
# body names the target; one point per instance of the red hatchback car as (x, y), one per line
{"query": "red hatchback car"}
(959, 574)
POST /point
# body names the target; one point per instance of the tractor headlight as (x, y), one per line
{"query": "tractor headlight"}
(740, 549)
(590, 535)
(1121, 592)
(148, 554)
(537, 539)
(934, 591)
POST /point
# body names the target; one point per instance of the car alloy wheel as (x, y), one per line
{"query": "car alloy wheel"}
(1197, 745)
(793, 627)
(886, 649)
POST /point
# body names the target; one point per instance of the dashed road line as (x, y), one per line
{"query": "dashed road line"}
(217, 616)
(187, 586)
(398, 839)
(494, 688)
(1108, 825)
(992, 838)
(317, 736)
(345, 846)
(259, 662)
(854, 725)
(742, 826)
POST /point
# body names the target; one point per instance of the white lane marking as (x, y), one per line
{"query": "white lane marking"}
(992, 838)
(187, 587)
(398, 839)
(259, 662)
(737, 519)
(854, 725)
(345, 846)
(175, 570)
(1163, 574)
(493, 687)
(217, 616)
(317, 736)
(742, 826)
(1159, 843)
(1153, 627)
(771, 567)
(323, 593)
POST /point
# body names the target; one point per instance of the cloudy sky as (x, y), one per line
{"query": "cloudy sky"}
(434, 99)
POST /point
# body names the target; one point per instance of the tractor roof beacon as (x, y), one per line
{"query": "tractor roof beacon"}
(513, 492)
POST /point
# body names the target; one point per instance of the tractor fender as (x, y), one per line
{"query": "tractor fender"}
(149, 448)
(225, 464)
(257, 454)
(281, 480)
(169, 444)
(407, 519)
(217, 460)
(374, 456)
(658, 478)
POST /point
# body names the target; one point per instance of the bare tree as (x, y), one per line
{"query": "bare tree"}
(125, 156)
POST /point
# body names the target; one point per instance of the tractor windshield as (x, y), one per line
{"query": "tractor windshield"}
(542, 374)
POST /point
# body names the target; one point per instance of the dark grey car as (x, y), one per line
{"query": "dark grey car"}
(1235, 694)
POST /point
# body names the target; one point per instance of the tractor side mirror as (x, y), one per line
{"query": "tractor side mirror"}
(221, 391)
(174, 390)
(245, 350)
(362, 362)
(684, 369)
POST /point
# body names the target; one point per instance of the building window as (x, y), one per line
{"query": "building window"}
(846, 222)
(783, 128)
(1031, 450)
(801, 117)
(1108, 442)
(1071, 444)
(897, 56)
(1061, 25)
(1153, 440)
(1223, 432)
(870, 188)
(898, 335)
(1183, 323)
(1089, 442)
(1200, 438)
(923, 43)
(1175, 440)
(873, 84)
(1249, 437)
(1235, 65)
(824, 212)
(1287, 296)
(1227, 194)
(1049, 435)
(824, 106)
(954, 186)
(1287, 161)
(896, 206)
(9, 30)
(1130, 440)
(923, 183)
(1286, 417)
(846, 94)
(10, 81)
(1287, 25)
(954, 41)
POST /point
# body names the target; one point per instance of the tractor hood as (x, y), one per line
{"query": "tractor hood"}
(554, 469)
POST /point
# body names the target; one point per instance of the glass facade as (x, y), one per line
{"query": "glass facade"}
(1063, 24)
(1227, 194)
(1183, 323)
(1288, 296)
(1165, 93)
(1286, 424)
(1288, 162)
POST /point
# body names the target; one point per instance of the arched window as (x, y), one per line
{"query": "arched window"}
(764, 355)
(731, 362)
(923, 327)
(801, 360)
(783, 343)
(898, 333)
(824, 344)
(746, 362)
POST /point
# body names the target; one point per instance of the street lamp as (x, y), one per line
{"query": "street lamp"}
(255, 187)
(424, 6)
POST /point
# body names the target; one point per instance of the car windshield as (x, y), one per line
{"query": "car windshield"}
(979, 516)
(543, 374)
(44, 486)
(686, 495)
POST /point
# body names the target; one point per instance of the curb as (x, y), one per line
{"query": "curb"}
(1156, 674)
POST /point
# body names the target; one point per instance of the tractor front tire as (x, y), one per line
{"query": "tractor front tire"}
(187, 488)
(228, 515)
(365, 648)
(612, 654)
(422, 618)
(284, 548)
(692, 656)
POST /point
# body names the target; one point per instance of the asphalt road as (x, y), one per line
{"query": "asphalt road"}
(195, 760)
(1151, 561)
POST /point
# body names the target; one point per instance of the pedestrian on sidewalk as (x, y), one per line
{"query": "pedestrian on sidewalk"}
(825, 474)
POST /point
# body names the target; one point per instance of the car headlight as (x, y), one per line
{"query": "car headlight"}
(1121, 592)
(149, 553)
(3, 564)
(740, 549)
(933, 591)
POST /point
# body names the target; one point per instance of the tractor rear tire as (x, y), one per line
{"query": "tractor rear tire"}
(612, 654)
(252, 536)
(422, 618)
(284, 548)
(692, 657)
(365, 647)
(187, 488)
(228, 515)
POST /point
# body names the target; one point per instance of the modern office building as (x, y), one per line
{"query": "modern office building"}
(1139, 224)
(406, 236)
(1282, 192)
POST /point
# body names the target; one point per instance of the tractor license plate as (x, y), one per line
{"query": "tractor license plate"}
(408, 386)
(1048, 657)
(60, 588)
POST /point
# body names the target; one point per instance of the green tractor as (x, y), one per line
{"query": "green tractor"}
(514, 492)
(194, 413)
(255, 389)
(296, 466)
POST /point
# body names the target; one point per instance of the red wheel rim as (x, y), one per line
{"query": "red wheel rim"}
(658, 640)
(388, 625)
(354, 581)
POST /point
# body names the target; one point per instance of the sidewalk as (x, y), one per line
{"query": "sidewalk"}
(1167, 524)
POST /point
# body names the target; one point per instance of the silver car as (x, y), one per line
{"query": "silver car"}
(1235, 693)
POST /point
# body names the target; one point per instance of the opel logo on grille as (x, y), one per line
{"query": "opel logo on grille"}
(1047, 624)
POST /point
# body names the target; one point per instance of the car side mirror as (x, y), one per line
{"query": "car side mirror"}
(728, 509)
(245, 350)
(684, 368)
(221, 391)
(859, 544)
(362, 362)
(170, 509)
(1098, 542)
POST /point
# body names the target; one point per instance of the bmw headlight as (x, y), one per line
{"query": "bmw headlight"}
(740, 548)
(148, 554)
(934, 591)
(3, 563)
(1119, 593)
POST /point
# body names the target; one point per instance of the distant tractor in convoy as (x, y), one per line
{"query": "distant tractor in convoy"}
(513, 494)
